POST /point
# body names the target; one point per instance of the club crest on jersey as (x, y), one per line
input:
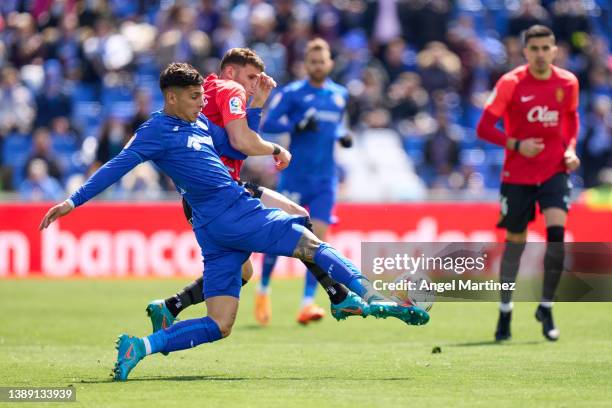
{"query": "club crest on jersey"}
(235, 105)
(339, 101)
(559, 94)
(543, 115)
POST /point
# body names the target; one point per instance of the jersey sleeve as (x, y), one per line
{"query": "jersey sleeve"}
(574, 95)
(144, 145)
(232, 103)
(279, 107)
(106, 176)
(572, 122)
(254, 118)
(500, 98)
(342, 128)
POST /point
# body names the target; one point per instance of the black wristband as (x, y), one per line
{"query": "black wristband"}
(517, 145)
(277, 150)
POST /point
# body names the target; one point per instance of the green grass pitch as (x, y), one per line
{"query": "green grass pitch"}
(58, 333)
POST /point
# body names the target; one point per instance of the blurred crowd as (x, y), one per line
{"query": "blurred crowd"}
(78, 76)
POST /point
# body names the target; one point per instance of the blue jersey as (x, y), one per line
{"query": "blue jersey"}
(187, 152)
(313, 152)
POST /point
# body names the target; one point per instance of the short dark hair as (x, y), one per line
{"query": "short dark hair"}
(317, 44)
(242, 57)
(179, 74)
(537, 31)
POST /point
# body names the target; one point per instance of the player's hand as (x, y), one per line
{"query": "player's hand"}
(265, 85)
(572, 162)
(346, 141)
(282, 159)
(308, 123)
(531, 147)
(54, 213)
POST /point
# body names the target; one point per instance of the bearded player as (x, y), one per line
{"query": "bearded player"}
(538, 103)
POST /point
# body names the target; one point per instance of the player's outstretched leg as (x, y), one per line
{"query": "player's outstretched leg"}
(311, 249)
(180, 336)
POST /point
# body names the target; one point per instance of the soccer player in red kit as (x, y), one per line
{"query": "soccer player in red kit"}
(538, 104)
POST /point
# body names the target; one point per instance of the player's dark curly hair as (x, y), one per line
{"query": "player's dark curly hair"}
(242, 57)
(179, 74)
(537, 31)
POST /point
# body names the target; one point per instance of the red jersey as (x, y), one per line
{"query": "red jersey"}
(533, 108)
(225, 101)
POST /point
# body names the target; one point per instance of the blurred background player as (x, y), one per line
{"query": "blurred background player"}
(538, 102)
(312, 111)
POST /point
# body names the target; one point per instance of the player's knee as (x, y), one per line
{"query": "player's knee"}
(247, 271)
(307, 247)
(225, 330)
(225, 325)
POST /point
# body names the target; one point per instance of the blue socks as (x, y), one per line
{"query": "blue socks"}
(184, 335)
(341, 270)
(266, 270)
(310, 285)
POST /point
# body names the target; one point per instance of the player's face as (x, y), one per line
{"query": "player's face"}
(247, 76)
(189, 102)
(318, 65)
(540, 52)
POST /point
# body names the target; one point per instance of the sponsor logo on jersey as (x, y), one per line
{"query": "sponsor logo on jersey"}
(543, 115)
(235, 105)
(309, 97)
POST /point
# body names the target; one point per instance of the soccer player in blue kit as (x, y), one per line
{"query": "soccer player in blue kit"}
(312, 111)
(228, 223)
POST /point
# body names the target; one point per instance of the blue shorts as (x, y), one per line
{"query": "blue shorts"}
(228, 240)
(318, 196)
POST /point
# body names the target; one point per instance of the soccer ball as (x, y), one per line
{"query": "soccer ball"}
(420, 296)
